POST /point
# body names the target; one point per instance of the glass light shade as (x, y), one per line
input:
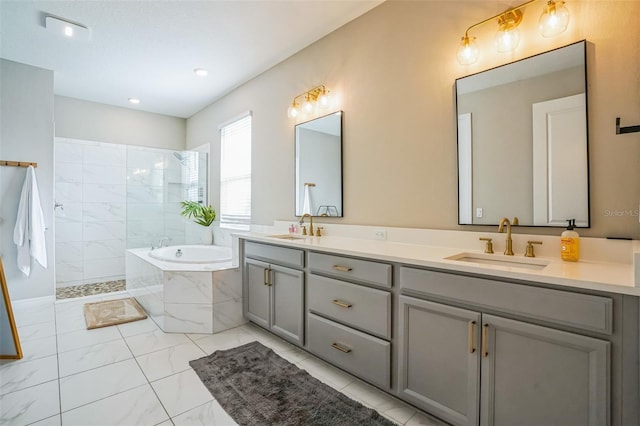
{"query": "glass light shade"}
(308, 106)
(554, 19)
(507, 38)
(293, 111)
(468, 51)
(323, 100)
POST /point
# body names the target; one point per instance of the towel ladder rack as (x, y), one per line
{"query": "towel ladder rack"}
(17, 163)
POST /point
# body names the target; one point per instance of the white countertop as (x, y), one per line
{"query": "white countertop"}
(584, 274)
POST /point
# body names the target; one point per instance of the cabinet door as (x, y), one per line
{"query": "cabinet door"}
(287, 313)
(439, 361)
(257, 304)
(533, 375)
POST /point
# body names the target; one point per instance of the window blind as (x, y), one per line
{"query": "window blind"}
(235, 174)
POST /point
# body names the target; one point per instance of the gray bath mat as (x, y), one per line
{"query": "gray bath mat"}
(258, 387)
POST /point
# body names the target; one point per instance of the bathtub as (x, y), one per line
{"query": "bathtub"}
(198, 254)
(199, 291)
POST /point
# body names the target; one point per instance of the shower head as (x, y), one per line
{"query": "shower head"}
(182, 159)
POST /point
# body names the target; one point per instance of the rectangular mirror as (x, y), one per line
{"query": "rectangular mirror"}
(319, 166)
(522, 141)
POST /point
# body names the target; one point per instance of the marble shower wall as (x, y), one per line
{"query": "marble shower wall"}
(114, 197)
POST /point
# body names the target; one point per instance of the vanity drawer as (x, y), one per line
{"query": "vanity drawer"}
(363, 271)
(583, 311)
(365, 356)
(276, 254)
(365, 308)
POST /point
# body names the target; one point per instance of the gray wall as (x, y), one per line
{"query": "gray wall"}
(91, 121)
(26, 99)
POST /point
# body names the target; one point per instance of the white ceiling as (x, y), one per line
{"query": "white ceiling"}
(148, 49)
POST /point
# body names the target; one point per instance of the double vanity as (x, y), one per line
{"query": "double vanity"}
(468, 337)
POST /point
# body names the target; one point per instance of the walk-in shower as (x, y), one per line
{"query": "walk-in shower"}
(111, 197)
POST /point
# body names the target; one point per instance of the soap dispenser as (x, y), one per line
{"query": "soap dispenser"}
(570, 243)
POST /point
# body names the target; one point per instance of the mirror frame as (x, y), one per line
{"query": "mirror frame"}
(584, 42)
(296, 149)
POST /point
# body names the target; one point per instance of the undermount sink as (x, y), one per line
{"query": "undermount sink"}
(286, 237)
(500, 260)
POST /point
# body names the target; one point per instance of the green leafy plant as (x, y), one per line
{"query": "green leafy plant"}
(202, 215)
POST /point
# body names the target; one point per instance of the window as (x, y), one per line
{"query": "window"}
(235, 174)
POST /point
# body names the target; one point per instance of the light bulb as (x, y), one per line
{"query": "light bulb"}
(308, 106)
(554, 19)
(293, 110)
(508, 37)
(468, 51)
(323, 99)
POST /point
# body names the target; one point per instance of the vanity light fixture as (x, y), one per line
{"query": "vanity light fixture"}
(307, 102)
(553, 21)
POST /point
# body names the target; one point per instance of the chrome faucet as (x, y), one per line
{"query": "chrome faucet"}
(310, 223)
(509, 249)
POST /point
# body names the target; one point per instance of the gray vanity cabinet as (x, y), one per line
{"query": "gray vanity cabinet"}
(533, 375)
(454, 361)
(438, 363)
(275, 293)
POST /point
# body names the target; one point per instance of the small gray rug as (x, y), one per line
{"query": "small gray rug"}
(258, 387)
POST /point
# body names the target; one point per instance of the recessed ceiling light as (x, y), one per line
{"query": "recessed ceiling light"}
(134, 101)
(201, 72)
(67, 29)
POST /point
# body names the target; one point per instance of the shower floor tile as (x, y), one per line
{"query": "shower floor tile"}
(90, 289)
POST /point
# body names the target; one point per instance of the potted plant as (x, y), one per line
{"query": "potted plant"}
(200, 214)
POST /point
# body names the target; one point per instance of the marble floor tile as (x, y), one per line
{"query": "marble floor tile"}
(364, 393)
(145, 343)
(92, 385)
(69, 323)
(137, 327)
(166, 362)
(49, 421)
(181, 392)
(37, 331)
(422, 419)
(30, 405)
(326, 373)
(33, 314)
(82, 338)
(27, 374)
(211, 414)
(138, 406)
(395, 409)
(225, 340)
(33, 349)
(89, 357)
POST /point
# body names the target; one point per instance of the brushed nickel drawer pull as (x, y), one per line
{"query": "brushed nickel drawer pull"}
(472, 330)
(340, 348)
(485, 327)
(342, 304)
(342, 268)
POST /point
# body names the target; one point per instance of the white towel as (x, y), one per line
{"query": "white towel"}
(306, 205)
(28, 234)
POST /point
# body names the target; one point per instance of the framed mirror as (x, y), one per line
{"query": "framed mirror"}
(523, 141)
(318, 153)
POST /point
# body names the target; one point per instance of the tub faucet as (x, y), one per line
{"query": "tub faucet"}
(164, 242)
(310, 223)
(509, 249)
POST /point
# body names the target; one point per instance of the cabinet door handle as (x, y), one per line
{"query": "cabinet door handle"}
(340, 348)
(342, 268)
(485, 327)
(472, 332)
(342, 304)
(267, 277)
